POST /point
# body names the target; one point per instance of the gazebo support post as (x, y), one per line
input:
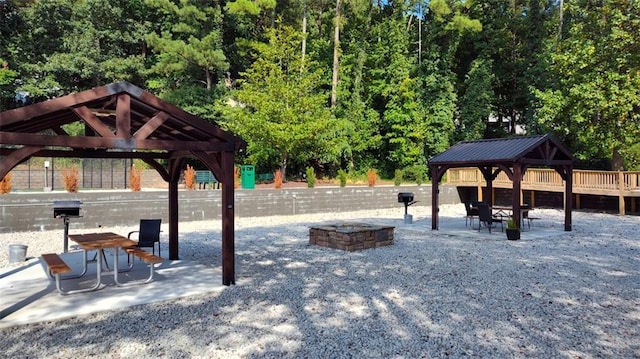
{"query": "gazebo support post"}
(228, 245)
(487, 195)
(515, 195)
(175, 165)
(222, 166)
(434, 202)
(568, 198)
(173, 220)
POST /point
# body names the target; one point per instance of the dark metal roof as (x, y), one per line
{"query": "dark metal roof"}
(542, 150)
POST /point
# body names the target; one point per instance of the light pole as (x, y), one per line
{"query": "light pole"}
(46, 177)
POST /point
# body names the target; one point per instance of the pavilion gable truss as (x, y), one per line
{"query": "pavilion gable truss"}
(122, 121)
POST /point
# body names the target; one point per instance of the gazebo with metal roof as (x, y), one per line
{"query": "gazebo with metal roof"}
(511, 155)
(121, 120)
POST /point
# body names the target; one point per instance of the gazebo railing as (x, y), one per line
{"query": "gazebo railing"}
(612, 183)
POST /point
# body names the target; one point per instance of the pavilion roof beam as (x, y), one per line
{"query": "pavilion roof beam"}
(92, 120)
(123, 116)
(79, 153)
(115, 143)
(16, 157)
(152, 125)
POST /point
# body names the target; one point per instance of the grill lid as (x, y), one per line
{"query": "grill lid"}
(67, 208)
(66, 204)
(405, 197)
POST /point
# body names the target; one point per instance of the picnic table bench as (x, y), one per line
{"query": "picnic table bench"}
(148, 258)
(206, 177)
(55, 264)
(56, 267)
(265, 177)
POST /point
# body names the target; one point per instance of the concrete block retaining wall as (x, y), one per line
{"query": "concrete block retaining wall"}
(33, 211)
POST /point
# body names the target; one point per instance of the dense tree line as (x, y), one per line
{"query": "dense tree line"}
(349, 84)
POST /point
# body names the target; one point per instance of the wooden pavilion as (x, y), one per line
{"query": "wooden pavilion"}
(511, 155)
(123, 121)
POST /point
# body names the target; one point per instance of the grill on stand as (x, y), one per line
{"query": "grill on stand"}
(407, 199)
(66, 210)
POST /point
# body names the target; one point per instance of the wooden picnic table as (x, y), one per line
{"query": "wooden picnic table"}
(101, 241)
(90, 242)
(507, 211)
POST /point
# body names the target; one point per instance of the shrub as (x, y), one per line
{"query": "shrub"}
(397, 177)
(190, 178)
(134, 179)
(5, 184)
(236, 177)
(311, 177)
(70, 178)
(277, 179)
(372, 176)
(342, 177)
(416, 173)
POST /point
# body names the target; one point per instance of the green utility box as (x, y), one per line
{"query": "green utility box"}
(248, 176)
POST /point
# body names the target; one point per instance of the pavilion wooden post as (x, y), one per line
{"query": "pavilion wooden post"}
(487, 196)
(173, 220)
(568, 191)
(228, 235)
(434, 202)
(480, 176)
(515, 193)
(175, 166)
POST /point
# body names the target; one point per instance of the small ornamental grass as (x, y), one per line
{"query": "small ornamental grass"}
(236, 177)
(342, 177)
(5, 184)
(372, 177)
(190, 178)
(70, 177)
(135, 179)
(311, 177)
(511, 224)
(277, 179)
(397, 178)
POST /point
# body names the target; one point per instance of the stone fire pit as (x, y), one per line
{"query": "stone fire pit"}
(351, 236)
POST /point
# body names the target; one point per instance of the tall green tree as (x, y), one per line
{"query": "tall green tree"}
(477, 101)
(448, 25)
(364, 122)
(7, 79)
(188, 44)
(512, 40)
(281, 111)
(74, 45)
(11, 25)
(594, 101)
(244, 24)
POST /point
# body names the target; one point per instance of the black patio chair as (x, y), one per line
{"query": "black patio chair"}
(472, 211)
(485, 216)
(526, 217)
(148, 234)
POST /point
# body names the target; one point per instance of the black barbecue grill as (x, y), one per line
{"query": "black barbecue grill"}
(407, 199)
(66, 210)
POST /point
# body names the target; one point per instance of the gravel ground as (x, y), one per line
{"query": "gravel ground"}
(429, 295)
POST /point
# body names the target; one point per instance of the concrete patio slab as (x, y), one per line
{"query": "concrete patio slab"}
(29, 295)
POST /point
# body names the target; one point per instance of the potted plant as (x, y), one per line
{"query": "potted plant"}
(513, 232)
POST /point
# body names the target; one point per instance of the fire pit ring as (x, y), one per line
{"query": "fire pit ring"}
(351, 236)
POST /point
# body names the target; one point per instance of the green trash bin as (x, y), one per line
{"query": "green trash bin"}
(248, 176)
